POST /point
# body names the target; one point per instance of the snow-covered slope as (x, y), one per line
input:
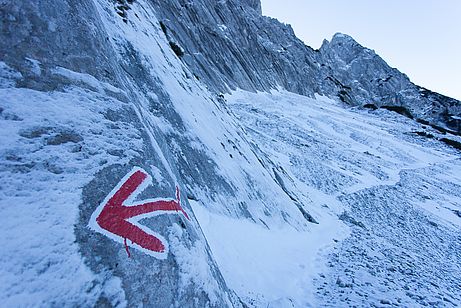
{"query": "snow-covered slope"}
(288, 200)
(399, 193)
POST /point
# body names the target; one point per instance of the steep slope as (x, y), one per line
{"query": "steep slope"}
(229, 45)
(95, 93)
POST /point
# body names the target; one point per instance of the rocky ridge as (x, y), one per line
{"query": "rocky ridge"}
(229, 44)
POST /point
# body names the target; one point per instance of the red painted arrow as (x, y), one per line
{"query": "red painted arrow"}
(115, 215)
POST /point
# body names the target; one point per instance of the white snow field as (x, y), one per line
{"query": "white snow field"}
(268, 266)
(400, 194)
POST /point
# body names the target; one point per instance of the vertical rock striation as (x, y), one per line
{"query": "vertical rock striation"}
(229, 44)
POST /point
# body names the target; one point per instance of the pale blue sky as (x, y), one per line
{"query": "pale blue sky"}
(422, 38)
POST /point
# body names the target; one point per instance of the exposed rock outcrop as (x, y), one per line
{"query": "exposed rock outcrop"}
(229, 46)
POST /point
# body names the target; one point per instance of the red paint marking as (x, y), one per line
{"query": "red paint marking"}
(115, 214)
(126, 248)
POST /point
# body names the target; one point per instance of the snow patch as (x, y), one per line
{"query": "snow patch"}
(87, 79)
(8, 76)
(36, 70)
(271, 266)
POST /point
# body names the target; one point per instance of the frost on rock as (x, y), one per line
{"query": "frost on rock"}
(294, 201)
(47, 156)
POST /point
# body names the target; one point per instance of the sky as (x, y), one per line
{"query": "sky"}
(421, 38)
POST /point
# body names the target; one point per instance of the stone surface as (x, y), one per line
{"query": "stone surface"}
(229, 46)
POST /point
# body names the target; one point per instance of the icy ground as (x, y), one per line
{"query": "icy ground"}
(400, 195)
(268, 266)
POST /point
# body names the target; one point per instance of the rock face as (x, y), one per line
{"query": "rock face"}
(254, 4)
(228, 46)
(80, 83)
(89, 91)
(362, 77)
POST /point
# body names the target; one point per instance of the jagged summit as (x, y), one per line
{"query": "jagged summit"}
(343, 37)
(343, 42)
(344, 49)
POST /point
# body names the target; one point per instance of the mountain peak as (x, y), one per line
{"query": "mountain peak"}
(341, 38)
